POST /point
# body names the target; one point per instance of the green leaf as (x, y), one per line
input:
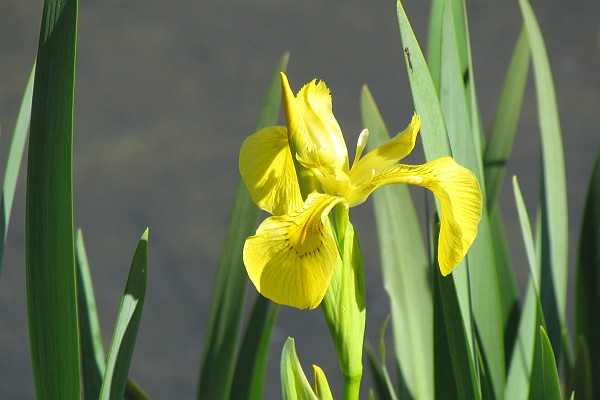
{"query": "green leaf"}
(252, 358)
(434, 41)
(528, 241)
(550, 373)
(218, 361)
(445, 380)
(587, 276)
(504, 123)
(497, 151)
(381, 379)
(482, 280)
(507, 286)
(406, 270)
(581, 381)
(460, 349)
(436, 144)
(13, 162)
(50, 264)
(92, 351)
(555, 224)
(522, 369)
(126, 328)
(294, 384)
(93, 363)
(425, 98)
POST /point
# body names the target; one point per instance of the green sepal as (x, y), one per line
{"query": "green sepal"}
(294, 384)
(344, 304)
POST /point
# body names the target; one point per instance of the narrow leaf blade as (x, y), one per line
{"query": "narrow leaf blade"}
(550, 373)
(218, 361)
(406, 270)
(504, 123)
(13, 162)
(483, 282)
(50, 265)
(587, 278)
(126, 328)
(556, 229)
(92, 350)
(252, 358)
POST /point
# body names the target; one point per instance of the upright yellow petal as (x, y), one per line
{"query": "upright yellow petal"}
(267, 169)
(311, 122)
(458, 192)
(290, 260)
(387, 154)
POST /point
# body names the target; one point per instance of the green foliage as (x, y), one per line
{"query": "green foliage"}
(218, 363)
(551, 383)
(50, 264)
(344, 305)
(13, 162)
(93, 363)
(251, 363)
(128, 321)
(554, 197)
(587, 282)
(294, 384)
(405, 268)
(468, 335)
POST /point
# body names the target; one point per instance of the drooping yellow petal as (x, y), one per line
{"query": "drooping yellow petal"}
(458, 192)
(290, 260)
(387, 154)
(312, 124)
(267, 169)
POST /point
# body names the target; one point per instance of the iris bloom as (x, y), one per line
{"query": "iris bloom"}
(291, 257)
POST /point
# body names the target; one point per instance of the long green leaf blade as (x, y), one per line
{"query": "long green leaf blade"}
(587, 278)
(381, 379)
(92, 350)
(406, 270)
(465, 149)
(436, 144)
(458, 341)
(434, 41)
(252, 358)
(93, 363)
(13, 162)
(220, 347)
(554, 180)
(504, 123)
(425, 98)
(50, 265)
(525, 366)
(126, 328)
(550, 373)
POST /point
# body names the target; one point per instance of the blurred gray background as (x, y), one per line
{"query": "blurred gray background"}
(165, 94)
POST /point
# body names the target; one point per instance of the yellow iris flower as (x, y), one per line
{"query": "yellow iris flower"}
(291, 257)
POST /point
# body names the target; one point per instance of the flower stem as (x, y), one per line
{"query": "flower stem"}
(352, 387)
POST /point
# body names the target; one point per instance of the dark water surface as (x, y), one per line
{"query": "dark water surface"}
(167, 91)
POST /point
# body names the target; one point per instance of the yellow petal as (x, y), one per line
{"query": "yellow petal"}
(311, 122)
(387, 154)
(290, 260)
(458, 192)
(267, 169)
